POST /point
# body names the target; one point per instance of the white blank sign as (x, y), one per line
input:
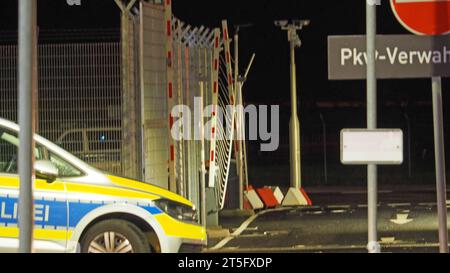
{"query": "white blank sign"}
(364, 147)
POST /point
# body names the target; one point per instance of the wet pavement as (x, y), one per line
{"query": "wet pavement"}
(407, 223)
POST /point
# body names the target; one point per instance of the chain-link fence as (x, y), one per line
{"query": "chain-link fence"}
(79, 98)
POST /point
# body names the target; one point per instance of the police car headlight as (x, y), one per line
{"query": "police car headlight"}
(178, 211)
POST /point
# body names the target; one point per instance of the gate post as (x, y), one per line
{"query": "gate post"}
(129, 147)
(170, 92)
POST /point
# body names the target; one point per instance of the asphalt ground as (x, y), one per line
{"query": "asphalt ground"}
(338, 223)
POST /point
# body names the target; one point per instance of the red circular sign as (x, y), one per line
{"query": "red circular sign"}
(423, 17)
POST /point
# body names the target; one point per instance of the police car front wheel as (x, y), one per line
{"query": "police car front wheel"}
(114, 236)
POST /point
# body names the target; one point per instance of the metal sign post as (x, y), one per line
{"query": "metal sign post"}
(440, 164)
(399, 57)
(27, 27)
(372, 176)
(372, 147)
(420, 17)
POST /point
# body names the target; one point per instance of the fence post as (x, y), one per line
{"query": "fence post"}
(129, 155)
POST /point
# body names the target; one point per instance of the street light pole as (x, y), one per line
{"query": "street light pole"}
(294, 124)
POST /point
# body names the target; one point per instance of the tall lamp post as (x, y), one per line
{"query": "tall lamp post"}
(294, 126)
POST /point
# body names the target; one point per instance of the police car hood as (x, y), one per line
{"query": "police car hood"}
(147, 188)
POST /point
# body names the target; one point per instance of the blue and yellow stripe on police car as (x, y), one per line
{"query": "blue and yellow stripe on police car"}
(54, 219)
(81, 199)
(38, 233)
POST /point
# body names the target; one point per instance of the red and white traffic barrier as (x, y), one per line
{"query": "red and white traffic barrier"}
(252, 200)
(296, 197)
(272, 197)
(268, 197)
(278, 194)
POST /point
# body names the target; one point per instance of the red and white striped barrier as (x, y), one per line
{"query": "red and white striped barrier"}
(170, 90)
(252, 200)
(268, 197)
(296, 197)
(215, 103)
(272, 197)
(278, 194)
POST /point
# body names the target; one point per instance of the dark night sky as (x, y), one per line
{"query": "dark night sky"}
(269, 80)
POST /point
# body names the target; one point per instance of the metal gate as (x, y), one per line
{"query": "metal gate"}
(184, 65)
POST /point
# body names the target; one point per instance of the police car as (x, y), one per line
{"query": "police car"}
(81, 209)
